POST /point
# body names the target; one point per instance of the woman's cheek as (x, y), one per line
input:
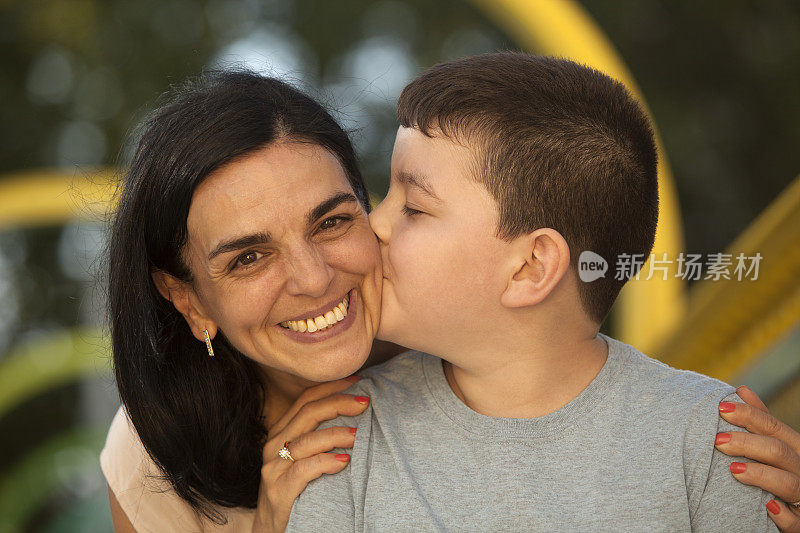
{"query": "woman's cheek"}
(356, 248)
(249, 303)
(368, 250)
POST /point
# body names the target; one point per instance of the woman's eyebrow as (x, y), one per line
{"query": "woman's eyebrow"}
(239, 243)
(331, 203)
(246, 241)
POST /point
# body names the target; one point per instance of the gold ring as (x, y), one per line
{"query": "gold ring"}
(284, 453)
(796, 504)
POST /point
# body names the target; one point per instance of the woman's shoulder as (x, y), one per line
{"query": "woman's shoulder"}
(149, 502)
(122, 448)
(123, 456)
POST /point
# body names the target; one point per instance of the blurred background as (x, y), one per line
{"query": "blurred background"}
(721, 80)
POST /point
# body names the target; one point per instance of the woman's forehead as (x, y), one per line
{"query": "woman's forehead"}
(275, 168)
(275, 186)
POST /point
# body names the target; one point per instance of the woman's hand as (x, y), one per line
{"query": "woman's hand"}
(282, 480)
(770, 442)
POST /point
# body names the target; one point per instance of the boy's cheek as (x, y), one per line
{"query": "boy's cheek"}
(394, 324)
(413, 275)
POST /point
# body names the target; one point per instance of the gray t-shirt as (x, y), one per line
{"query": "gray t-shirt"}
(633, 452)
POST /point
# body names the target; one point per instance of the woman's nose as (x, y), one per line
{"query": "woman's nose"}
(309, 273)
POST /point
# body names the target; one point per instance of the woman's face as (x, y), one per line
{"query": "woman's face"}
(285, 263)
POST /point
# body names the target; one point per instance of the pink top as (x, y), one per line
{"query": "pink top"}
(150, 503)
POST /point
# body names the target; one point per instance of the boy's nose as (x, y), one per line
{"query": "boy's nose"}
(380, 223)
(309, 273)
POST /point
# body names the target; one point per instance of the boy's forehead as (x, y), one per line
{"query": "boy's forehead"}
(430, 162)
(433, 140)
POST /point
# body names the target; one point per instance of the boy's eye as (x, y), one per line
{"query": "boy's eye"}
(410, 212)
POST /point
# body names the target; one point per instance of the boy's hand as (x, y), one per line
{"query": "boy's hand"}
(770, 442)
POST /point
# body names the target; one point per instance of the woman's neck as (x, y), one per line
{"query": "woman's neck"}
(281, 390)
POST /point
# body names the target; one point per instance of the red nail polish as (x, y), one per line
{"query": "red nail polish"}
(353, 431)
(738, 468)
(362, 400)
(773, 507)
(722, 438)
(343, 457)
(726, 407)
(352, 379)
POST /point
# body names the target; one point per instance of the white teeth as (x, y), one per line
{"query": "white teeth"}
(321, 322)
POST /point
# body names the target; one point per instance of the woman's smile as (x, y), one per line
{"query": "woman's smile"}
(328, 321)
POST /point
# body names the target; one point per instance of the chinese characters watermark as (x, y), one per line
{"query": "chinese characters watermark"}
(689, 267)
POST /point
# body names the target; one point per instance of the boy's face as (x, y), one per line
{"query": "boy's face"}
(442, 263)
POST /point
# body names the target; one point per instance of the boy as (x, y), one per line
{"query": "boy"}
(505, 168)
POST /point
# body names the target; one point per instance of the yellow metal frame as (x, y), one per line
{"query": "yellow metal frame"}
(730, 323)
(52, 360)
(46, 196)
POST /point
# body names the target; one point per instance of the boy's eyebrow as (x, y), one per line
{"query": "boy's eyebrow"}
(415, 180)
(239, 243)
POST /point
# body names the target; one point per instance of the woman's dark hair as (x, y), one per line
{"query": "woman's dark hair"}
(199, 418)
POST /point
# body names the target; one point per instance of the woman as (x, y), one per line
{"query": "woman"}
(243, 217)
(240, 213)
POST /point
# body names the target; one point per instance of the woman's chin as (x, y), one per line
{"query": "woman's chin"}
(322, 377)
(337, 368)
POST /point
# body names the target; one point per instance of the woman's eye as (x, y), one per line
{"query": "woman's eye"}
(410, 212)
(332, 222)
(247, 258)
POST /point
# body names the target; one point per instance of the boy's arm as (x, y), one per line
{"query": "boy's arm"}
(325, 505)
(719, 502)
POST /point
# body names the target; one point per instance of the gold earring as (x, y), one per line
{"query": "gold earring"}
(208, 344)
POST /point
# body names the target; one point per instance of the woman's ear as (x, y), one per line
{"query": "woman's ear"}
(541, 260)
(182, 295)
(165, 283)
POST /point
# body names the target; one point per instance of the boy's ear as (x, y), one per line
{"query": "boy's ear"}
(541, 259)
(182, 295)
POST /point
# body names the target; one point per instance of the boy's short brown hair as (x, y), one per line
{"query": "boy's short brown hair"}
(557, 144)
